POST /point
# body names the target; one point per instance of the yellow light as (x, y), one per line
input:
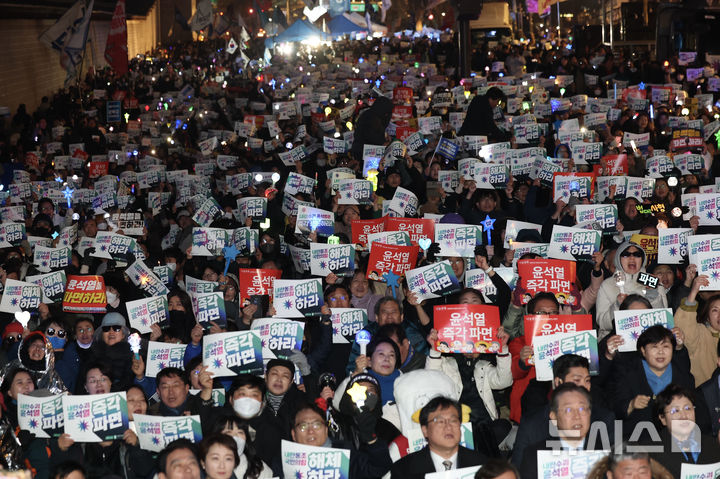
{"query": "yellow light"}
(349, 125)
(467, 94)
(328, 110)
(372, 177)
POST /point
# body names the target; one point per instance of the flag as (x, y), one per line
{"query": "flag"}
(203, 16)
(386, 4)
(179, 18)
(220, 24)
(116, 49)
(68, 36)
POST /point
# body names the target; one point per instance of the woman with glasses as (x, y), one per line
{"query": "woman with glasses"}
(630, 261)
(680, 437)
(11, 337)
(110, 346)
(98, 379)
(66, 361)
(36, 355)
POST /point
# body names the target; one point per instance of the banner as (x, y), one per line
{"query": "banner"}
(145, 312)
(209, 308)
(299, 461)
(547, 324)
(279, 337)
(327, 258)
(548, 348)
(346, 322)
(432, 281)
(230, 354)
(457, 239)
(83, 294)
(256, 282)
(673, 245)
(52, 284)
(387, 257)
(552, 275)
(96, 417)
(467, 328)
(156, 432)
(41, 416)
(297, 298)
(631, 323)
(573, 243)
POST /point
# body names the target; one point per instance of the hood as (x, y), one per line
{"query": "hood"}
(623, 247)
(383, 107)
(25, 361)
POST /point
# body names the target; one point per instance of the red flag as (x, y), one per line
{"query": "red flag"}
(116, 50)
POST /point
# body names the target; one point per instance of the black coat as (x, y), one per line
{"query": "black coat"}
(707, 410)
(631, 381)
(709, 453)
(371, 125)
(480, 121)
(419, 463)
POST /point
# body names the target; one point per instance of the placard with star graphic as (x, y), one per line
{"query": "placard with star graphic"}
(297, 298)
(346, 322)
(301, 461)
(355, 192)
(631, 323)
(156, 432)
(573, 243)
(20, 296)
(709, 265)
(48, 259)
(673, 245)
(145, 312)
(95, 417)
(279, 337)
(433, 281)
(52, 284)
(163, 355)
(548, 348)
(336, 259)
(708, 207)
(41, 416)
(230, 354)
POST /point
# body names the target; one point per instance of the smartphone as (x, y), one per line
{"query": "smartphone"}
(263, 304)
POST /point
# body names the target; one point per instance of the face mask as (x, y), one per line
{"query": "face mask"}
(228, 215)
(111, 297)
(57, 343)
(172, 266)
(267, 248)
(240, 443)
(247, 407)
(102, 226)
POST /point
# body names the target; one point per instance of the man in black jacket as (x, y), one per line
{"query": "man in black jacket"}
(440, 421)
(480, 118)
(371, 125)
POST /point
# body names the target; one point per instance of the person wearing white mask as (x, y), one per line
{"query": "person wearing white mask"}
(250, 465)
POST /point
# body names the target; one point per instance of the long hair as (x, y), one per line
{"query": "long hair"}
(254, 463)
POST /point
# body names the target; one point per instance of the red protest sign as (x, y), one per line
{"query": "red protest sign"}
(546, 324)
(401, 112)
(403, 95)
(98, 169)
(85, 294)
(256, 281)
(32, 160)
(362, 228)
(417, 228)
(389, 257)
(402, 132)
(467, 328)
(615, 165)
(553, 275)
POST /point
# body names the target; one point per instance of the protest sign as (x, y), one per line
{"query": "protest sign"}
(95, 417)
(208, 212)
(346, 322)
(513, 227)
(256, 282)
(401, 238)
(361, 228)
(545, 324)
(404, 202)
(209, 308)
(336, 259)
(230, 354)
(142, 276)
(84, 294)
(355, 192)
(48, 259)
(311, 219)
(417, 228)
(114, 246)
(299, 460)
(11, 234)
(458, 239)
(432, 281)
(156, 432)
(41, 415)
(251, 207)
(673, 245)
(279, 337)
(605, 216)
(709, 265)
(297, 298)
(708, 206)
(573, 243)
(467, 328)
(145, 312)
(548, 348)
(297, 183)
(567, 466)
(552, 275)
(52, 284)
(163, 355)
(387, 257)
(631, 323)
(208, 241)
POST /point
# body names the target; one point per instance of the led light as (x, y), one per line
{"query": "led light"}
(275, 177)
(258, 177)
(349, 125)
(672, 181)
(328, 110)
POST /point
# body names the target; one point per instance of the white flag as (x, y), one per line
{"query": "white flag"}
(68, 36)
(203, 16)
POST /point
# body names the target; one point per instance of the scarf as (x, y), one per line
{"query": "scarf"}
(657, 383)
(274, 401)
(387, 390)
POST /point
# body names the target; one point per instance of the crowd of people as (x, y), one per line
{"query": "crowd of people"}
(199, 130)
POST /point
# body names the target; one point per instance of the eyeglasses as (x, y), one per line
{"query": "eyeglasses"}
(446, 421)
(636, 254)
(581, 410)
(554, 311)
(52, 332)
(338, 298)
(673, 411)
(94, 381)
(13, 338)
(89, 329)
(304, 426)
(106, 329)
(266, 241)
